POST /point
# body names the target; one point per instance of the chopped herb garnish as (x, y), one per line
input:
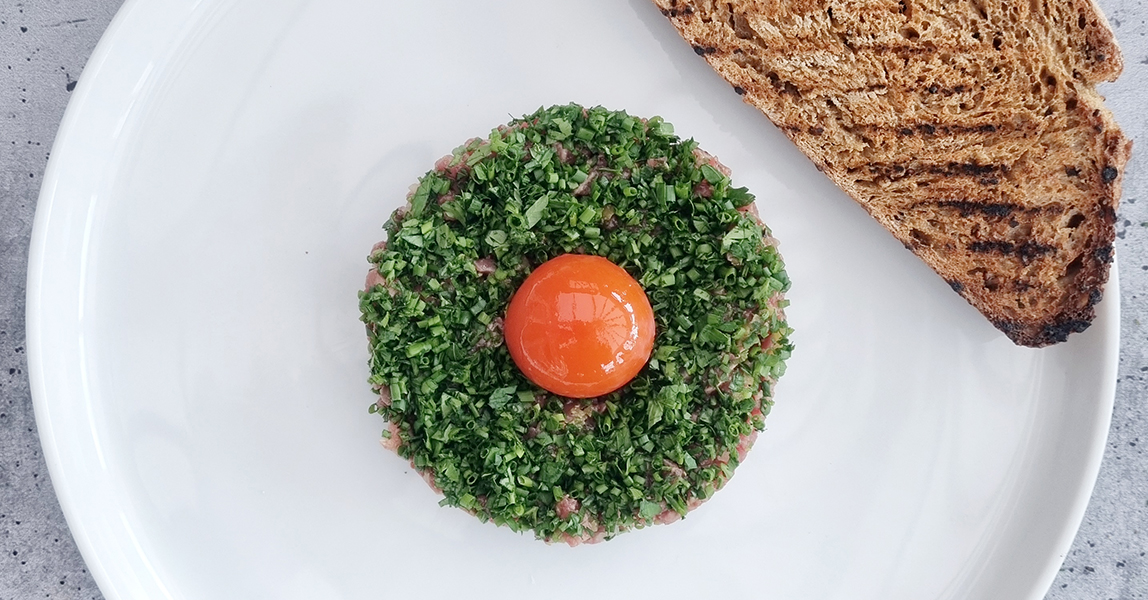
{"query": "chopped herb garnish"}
(591, 181)
(534, 213)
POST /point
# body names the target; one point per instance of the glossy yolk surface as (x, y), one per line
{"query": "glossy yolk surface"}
(580, 326)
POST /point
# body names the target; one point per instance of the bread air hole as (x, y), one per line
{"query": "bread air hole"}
(980, 8)
(1074, 267)
(910, 34)
(906, 8)
(1020, 231)
(1075, 220)
(990, 281)
(748, 61)
(742, 28)
(1069, 278)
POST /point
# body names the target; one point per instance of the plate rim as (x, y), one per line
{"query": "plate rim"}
(33, 317)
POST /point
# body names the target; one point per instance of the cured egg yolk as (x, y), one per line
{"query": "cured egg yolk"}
(580, 326)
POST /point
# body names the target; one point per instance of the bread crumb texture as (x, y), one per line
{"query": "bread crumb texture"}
(971, 129)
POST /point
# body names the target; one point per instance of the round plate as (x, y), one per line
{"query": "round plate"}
(199, 369)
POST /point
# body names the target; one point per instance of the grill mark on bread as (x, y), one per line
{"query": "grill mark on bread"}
(998, 210)
(986, 175)
(1026, 251)
(947, 129)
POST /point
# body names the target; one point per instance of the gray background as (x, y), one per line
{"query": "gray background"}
(43, 48)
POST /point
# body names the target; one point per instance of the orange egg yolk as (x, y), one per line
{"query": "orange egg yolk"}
(580, 326)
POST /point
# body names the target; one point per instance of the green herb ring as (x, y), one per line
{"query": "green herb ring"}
(569, 179)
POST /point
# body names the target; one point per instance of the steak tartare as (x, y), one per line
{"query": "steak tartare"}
(567, 179)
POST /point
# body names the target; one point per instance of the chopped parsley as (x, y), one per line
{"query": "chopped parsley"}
(593, 181)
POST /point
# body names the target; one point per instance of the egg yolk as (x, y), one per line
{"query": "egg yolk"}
(580, 326)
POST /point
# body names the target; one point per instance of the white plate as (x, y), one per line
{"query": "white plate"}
(199, 369)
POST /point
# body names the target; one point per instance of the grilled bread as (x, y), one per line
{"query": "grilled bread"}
(971, 130)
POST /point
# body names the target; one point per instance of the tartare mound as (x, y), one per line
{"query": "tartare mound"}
(567, 179)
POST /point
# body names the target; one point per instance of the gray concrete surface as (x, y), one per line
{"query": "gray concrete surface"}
(43, 47)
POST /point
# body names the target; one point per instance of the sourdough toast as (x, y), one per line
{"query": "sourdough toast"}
(971, 130)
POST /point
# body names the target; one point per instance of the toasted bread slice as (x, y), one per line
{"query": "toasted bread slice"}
(971, 130)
